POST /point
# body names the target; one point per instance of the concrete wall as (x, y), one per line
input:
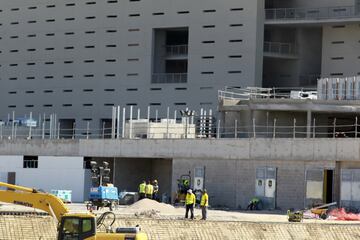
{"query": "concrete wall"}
(53, 173)
(341, 50)
(230, 164)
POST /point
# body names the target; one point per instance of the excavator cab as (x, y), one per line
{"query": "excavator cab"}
(75, 227)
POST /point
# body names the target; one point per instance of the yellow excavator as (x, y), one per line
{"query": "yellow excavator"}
(71, 226)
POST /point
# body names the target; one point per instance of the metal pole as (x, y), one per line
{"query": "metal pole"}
(15, 130)
(50, 126)
(1, 132)
(74, 130)
(334, 128)
(138, 114)
(218, 128)
(123, 123)
(274, 130)
(13, 125)
(58, 130)
(87, 130)
(43, 130)
(167, 122)
(314, 128)
(156, 115)
(210, 122)
(254, 130)
(356, 124)
(118, 123)
(130, 122)
(235, 129)
(148, 113)
(294, 129)
(175, 115)
(113, 116)
(30, 125)
(201, 122)
(103, 130)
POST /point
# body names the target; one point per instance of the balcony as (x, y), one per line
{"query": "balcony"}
(169, 78)
(312, 15)
(176, 51)
(280, 50)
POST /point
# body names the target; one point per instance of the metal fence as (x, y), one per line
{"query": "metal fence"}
(207, 127)
(176, 50)
(312, 13)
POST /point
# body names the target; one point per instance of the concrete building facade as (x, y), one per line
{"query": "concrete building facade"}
(79, 58)
(307, 39)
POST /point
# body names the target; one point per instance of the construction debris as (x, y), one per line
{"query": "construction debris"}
(342, 215)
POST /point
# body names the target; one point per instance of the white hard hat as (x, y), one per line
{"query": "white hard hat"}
(189, 191)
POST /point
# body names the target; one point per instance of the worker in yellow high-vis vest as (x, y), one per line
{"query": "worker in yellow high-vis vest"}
(204, 203)
(142, 187)
(149, 190)
(190, 201)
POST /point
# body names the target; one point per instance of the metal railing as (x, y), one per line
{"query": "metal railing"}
(258, 93)
(176, 50)
(169, 78)
(336, 12)
(280, 48)
(208, 128)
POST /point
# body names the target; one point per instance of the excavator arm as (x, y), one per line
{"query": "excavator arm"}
(33, 198)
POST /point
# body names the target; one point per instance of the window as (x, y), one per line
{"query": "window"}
(207, 42)
(209, 26)
(209, 10)
(87, 104)
(235, 56)
(67, 90)
(109, 90)
(67, 105)
(236, 25)
(131, 89)
(183, 12)
(236, 9)
(30, 162)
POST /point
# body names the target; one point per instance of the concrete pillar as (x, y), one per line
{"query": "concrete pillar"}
(308, 124)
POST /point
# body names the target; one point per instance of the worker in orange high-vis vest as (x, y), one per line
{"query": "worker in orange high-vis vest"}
(204, 203)
(190, 201)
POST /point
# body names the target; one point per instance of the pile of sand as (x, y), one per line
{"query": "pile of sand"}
(151, 205)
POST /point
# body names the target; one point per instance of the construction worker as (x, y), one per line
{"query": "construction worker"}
(149, 190)
(254, 204)
(204, 203)
(190, 201)
(142, 187)
(156, 190)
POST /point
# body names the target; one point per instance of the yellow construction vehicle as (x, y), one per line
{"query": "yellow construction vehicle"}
(71, 226)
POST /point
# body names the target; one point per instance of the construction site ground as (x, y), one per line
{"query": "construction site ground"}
(163, 221)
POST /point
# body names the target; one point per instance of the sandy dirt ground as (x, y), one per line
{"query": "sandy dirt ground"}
(152, 209)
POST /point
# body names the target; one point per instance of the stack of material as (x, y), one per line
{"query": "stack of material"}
(148, 205)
